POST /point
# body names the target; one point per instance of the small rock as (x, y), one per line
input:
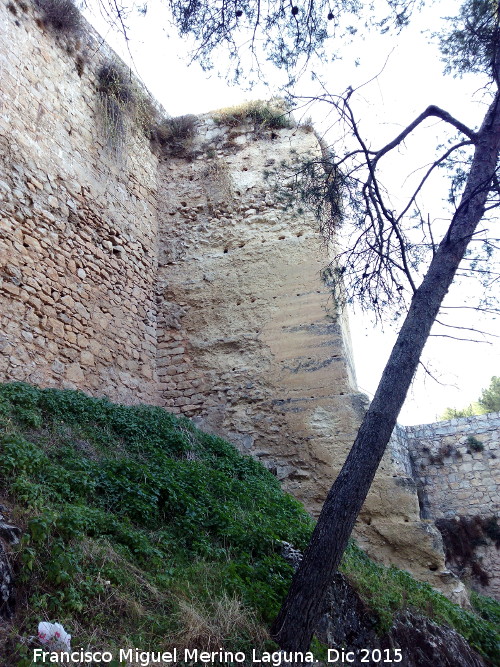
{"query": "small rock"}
(7, 593)
(10, 534)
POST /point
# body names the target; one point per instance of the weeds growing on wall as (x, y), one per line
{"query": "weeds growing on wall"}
(123, 103)
(475, 445)
(140, 530)
(175, 135)
(115, 96)
(270, 115)
(446, 450)
(63, 16)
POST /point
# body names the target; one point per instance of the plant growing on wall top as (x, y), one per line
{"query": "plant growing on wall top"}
(122, 100)
(175, 135)
(62, 16)
(273, 114)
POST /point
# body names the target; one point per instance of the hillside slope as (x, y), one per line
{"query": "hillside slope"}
(141, 531)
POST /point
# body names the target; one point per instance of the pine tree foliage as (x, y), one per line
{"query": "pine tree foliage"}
(490, 397)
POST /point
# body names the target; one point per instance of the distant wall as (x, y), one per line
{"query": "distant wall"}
(456, 466)
(457, 463)
(78, 222)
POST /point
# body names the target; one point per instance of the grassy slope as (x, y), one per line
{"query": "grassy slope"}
(141, 530)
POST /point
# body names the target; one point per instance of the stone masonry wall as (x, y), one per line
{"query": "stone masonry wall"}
(251, 345)
(185, 282)
(457, 462)
(78, 222)
(456, 466)
(256, 350)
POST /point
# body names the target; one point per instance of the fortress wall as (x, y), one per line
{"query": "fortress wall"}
(256, 352)
(191, 282)
(457, 462)
(78, 221)
(456, 466)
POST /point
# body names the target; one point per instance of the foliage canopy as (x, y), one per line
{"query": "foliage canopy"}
(489, 401)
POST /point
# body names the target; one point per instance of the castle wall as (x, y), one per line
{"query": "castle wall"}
(457, 462)
(189, 282)
(456, 467)
(78, 221)
(256, 353)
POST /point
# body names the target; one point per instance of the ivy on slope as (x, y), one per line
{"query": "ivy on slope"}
(137, 525)
(181, 506)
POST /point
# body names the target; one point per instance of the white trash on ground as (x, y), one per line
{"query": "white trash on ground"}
(54, 636)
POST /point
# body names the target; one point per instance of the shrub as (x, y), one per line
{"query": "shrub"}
(61, 15)
(175, 135)
(273, 114)
(474, 443)
(461, 537)
(115, 82)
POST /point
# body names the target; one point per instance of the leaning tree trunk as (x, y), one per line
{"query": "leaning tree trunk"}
(295, 624)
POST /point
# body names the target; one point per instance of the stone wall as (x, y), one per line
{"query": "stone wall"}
(456, 467)
(78, 221)
(256, 349)
(457, 463)
(187, 282)
(251, 344)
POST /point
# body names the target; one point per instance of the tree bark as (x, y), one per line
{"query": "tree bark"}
(295, 624)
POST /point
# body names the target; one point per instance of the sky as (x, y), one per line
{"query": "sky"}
(409, 79)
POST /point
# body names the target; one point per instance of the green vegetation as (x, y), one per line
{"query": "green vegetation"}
(489, 401)
(471, 410)
(123, 102)
(137, 523)
(140, 530)
(474, 443)
(490, 397)
(272, 115)
(388, 590)
(486, 607)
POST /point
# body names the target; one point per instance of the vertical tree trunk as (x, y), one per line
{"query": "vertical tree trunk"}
(295, 624)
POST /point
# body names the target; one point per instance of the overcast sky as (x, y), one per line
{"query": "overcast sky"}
(410, 78)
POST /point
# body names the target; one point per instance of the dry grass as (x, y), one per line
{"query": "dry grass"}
(124, 104)
(175, 136)
(115, 81)
(217, 625)
(273, 115)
